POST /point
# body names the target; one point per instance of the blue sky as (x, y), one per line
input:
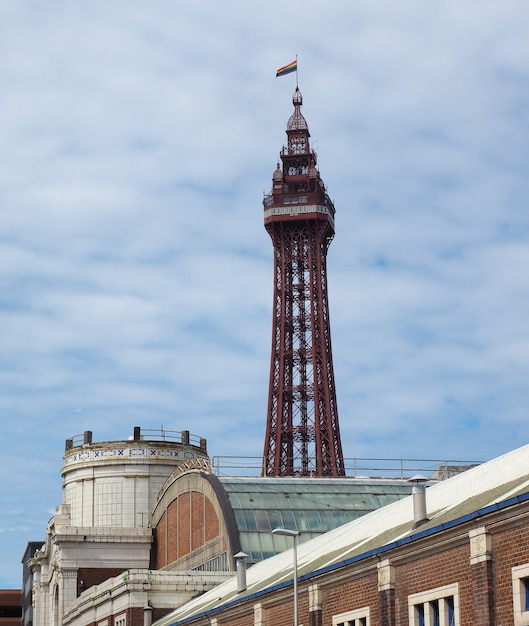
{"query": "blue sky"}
(136, 274)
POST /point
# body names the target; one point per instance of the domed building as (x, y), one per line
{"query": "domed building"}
(145, 526)
(103, 526)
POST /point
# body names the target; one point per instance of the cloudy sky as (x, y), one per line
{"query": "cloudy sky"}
(136, 274)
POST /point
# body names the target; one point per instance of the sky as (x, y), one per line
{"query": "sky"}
(136, 275)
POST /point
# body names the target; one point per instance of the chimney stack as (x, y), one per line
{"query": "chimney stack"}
(418, 492)
(240, 560)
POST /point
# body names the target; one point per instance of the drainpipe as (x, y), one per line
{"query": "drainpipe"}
(147, 615)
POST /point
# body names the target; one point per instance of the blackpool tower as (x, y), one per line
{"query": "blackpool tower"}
(302, 432)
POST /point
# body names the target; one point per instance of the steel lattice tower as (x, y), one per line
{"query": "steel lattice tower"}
(302, 433)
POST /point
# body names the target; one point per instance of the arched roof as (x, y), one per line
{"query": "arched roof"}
(311, 506)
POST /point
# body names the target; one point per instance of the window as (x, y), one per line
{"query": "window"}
(435, 607)
(358, 617)
(520, 594)
(120, 620)
(217, 564)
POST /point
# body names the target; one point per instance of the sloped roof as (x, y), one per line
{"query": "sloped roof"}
(500, 481)
(311, 506)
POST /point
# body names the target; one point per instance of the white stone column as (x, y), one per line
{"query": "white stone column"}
(67, 589)
(258, 615)
(386, 575)
(38, 599)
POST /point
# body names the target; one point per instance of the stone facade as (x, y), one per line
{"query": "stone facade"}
(138, 596)
(115, 484)
(190, 527)
(102, 528)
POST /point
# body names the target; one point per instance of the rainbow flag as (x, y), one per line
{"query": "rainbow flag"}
(291, 67)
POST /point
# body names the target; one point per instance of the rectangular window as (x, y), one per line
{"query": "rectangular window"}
(435, 607)
(358, 617)
(120, 620)
(520, 594)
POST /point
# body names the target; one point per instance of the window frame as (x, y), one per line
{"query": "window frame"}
(520, 594)
(435, 607)
(120, 620)
(356, 617)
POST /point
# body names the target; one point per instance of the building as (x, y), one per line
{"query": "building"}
(456, 553)
(145, 526)
(302, 430)
(146, 533)
(27, 580)
(102, 527)
(10, 607)
(201, 521)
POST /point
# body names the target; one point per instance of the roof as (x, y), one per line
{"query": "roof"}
(311, 506)
(498, 483)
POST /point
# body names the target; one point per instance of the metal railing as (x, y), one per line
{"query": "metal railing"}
(144, 434)
(356, 467)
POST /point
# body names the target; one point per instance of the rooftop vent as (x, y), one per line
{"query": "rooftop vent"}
(418, 492)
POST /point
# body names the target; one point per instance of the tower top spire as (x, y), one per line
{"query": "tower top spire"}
(296, 120)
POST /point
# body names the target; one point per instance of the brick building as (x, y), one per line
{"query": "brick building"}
(456, 553)
(145, 526)
(10, 607)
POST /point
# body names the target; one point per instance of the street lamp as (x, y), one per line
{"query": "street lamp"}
(294, 534)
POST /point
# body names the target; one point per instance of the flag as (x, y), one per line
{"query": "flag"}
(291, 67)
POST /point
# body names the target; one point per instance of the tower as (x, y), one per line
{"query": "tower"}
(302, 432)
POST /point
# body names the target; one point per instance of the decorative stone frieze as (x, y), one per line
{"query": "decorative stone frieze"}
(386, 575)
(480, 545)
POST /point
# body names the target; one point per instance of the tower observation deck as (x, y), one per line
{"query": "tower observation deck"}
(302, 432)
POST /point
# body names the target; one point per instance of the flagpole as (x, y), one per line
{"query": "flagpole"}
(296, 72)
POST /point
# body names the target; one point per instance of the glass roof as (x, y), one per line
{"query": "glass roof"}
(311, 506)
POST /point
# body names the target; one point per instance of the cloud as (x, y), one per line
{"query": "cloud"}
(135, 272)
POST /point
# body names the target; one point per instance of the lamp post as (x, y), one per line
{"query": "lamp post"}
(294, 534)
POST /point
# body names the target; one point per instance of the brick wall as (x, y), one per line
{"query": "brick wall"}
(10, 607)
(212, 525)
(197, 520)
(447, 566)
(183, 532)
(483, 577)
(283, 614)
(242, 621)
(90, 576)
(353, 594)
(510, 548)
(188, 522)
(159, 559)
(171, 543)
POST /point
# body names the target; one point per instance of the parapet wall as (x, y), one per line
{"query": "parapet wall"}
(114, 484)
